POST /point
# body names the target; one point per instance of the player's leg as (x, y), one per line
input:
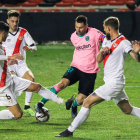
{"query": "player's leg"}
(8, 99)
(28, 95)
(83, 114)
(45, 93)
(86, 86)
(13, 112)
(16, 111)
(123, 103)
(66, 81)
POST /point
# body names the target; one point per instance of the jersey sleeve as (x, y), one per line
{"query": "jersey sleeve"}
(29, 40)
(127, 46)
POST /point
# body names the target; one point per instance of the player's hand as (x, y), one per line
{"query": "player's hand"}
(26, 48)
(136, 46)
(12, 62)
(105, 51)
(16, 56)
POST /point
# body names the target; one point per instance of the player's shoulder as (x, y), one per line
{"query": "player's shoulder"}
(23, 29)
(94, 30)
(125, 41)
(73, 35)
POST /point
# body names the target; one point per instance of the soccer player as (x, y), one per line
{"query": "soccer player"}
(84, 66)
(16, 43)
(114, 48)
(10, 85)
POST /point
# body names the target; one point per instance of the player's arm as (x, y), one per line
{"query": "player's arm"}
(135, 54)
(102, 53)
(31, 48)
(101, 37)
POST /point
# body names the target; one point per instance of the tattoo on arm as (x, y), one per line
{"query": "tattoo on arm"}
(137, 56)
(94, 94)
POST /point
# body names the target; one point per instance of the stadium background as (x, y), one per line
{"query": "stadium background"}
(47, 26)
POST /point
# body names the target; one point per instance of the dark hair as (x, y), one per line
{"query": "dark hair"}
(13, 13)
(113, 22)
(82, 19)
(4, 27)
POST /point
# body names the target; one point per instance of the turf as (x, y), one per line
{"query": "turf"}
(106, 121)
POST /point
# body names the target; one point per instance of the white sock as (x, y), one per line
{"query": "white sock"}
(45, 93)
(6, 114)
(80, 118)
(28, 97)
(136, 112)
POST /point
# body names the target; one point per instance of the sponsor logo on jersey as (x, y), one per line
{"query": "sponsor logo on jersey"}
(83, 47)
(115, 45)
(20, 38)
(87, 38)
(8, 40)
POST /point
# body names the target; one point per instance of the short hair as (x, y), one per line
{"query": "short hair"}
(13, 13)
(113, 22)
(82, 19)
(4, 27)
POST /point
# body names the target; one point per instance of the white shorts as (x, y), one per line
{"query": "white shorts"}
(9, 93)
(19, 69)
(112, 91)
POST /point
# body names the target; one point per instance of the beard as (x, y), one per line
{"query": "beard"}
(108, 36)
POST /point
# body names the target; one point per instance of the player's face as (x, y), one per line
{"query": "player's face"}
(107, 32)
(13, 23)
(5, 34)
(81, 29)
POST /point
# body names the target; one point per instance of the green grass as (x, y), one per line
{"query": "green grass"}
(106, 121)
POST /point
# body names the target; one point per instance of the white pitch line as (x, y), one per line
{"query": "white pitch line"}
(99, 86)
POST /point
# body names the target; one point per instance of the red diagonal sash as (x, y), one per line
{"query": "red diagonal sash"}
(113, 47)
(19, 40)
(4, 73)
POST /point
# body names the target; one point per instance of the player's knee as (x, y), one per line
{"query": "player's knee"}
(37, 87)
(62, 85)
(86, 104)
(80, 101)
(127, 112)
(18, 115)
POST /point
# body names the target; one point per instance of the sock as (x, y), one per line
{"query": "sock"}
(26, 107)
(80, 118)
(28, 98)
(55, 89)
(45, 93)
(6, 114)
(136, 112)
(75, 103)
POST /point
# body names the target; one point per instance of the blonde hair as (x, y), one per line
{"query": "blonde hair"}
(13, 13)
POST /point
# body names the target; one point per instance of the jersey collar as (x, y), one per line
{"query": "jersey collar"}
(14, 32)
(116, 38)
(82, 35)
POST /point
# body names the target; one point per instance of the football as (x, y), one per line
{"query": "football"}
(44, 116)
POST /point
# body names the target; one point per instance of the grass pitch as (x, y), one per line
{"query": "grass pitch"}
(106, 121)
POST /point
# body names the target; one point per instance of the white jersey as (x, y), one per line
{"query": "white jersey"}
(5, 75)
(114, 66)
(16, 40)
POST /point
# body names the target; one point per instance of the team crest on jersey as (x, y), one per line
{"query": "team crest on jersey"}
(20, 38)
(115, 45)
(87, 38)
